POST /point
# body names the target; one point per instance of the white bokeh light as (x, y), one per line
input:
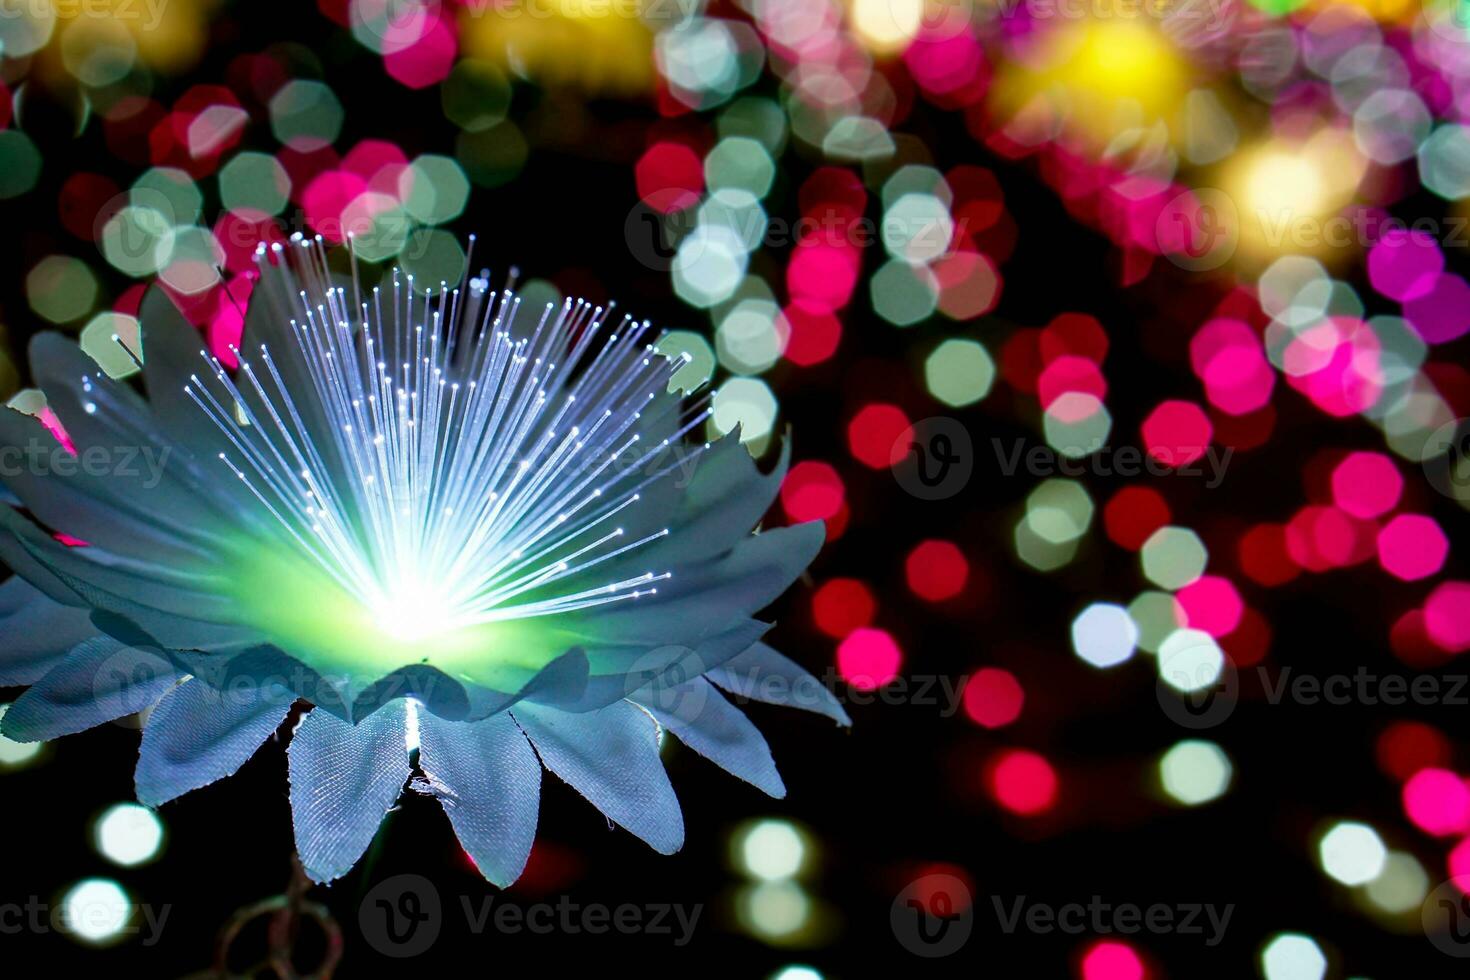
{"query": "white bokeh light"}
(1292, 956)
(772, 850)
(13, 753)
(1353, 853)
(1190, 660)
(128, 834)
(797, 971)
(1195, 771)
(97, 910)
(1104, 634)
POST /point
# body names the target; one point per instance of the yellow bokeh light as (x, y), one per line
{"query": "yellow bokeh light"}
(1094, 80)
(166, 36)
(887, 25)
(594, 47)
(1385, 11)
(1282, 182)
(1289, 196)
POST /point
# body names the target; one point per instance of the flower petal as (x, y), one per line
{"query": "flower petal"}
(80, 496)
(59, 367)
(610, 757)
(198, 735)
(261, 665)
(343, 779)
(148, 473)
(38, 633)
(622, 670)
(274, 303)
(488, 780)
(762, 674)
(18, 538)
(138, 590)
(707, 723)
(563, 680)
(98, 681)
(171, 353)
(705, 599)
(725, 497)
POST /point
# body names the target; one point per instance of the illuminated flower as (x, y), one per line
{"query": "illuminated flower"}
(474, 538)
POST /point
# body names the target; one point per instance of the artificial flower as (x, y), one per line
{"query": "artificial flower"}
(475, 539)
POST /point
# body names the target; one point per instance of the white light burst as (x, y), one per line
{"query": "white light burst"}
(453, 459)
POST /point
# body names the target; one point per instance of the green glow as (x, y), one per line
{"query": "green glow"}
(310, 615)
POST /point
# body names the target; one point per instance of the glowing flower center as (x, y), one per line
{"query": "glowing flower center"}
(413, 612)
(445, 462)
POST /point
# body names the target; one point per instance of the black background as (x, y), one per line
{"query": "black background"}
(903, 788)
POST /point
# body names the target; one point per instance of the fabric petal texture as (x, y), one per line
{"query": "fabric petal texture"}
(454, 533)
(198, 735)
(488, 780)
(610, 756)
(344, 778)
(99, 681)
(762, 674)
(38, 632)
(707, 723)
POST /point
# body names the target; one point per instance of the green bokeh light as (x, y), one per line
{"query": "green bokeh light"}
(437, 189)
(959, 372)
(306, 115)
(1173, 557)
(254, 182)
(61, 288)
(20, 163)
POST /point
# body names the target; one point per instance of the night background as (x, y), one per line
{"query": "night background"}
(1036, 235)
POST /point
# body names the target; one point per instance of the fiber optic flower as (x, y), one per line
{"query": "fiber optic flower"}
(475, 539)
